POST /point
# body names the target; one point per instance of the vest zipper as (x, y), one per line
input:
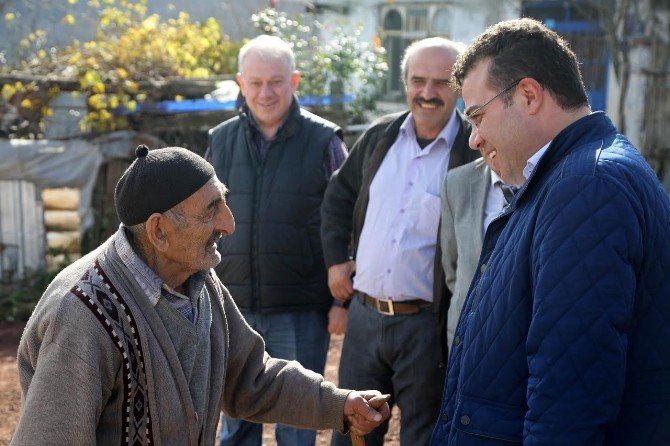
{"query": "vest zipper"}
(256, 303)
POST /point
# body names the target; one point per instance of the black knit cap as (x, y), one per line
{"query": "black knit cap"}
(158, 180)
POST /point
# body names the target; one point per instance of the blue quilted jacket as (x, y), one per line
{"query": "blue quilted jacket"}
(565, 335)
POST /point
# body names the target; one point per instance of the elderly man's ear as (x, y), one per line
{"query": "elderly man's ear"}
(157, 232)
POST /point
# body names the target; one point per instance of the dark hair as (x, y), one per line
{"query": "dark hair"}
(525, 48)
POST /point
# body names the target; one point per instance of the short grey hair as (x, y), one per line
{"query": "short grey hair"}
(267, 47)
(450, 46)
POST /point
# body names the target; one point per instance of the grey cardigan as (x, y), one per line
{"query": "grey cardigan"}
(81, 387)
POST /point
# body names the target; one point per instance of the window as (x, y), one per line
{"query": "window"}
(417, 19)
(441, 24)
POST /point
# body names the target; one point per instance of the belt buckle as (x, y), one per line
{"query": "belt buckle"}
(388, 304)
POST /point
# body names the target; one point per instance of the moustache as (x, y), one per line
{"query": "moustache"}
(214, 238)
(434, 101)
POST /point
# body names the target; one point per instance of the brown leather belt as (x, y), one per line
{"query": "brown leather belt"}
(390, 308)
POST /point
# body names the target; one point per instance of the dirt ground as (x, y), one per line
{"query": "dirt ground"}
(10, 396)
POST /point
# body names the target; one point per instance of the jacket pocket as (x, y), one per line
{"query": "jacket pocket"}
(483, 422)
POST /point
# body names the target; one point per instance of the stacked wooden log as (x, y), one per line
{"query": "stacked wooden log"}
(61, 219)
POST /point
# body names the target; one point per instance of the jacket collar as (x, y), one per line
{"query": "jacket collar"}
(460, 150)
(589, 128)
(595, 126)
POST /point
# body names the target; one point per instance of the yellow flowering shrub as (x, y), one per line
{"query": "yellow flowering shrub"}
(131, 48)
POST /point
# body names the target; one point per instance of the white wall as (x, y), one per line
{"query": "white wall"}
(473, 17)
(469, 18)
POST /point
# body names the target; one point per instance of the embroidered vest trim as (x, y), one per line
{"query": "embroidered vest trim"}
(99, 294)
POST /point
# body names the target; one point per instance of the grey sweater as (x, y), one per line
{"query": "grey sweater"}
(97, 365)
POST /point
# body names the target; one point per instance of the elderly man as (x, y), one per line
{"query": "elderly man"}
(276, 158)
(382, 209)
(564, 334)
(139, 342)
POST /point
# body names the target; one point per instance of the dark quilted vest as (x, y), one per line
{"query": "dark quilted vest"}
(274, 259)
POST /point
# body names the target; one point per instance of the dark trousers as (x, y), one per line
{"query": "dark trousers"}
(397, 355)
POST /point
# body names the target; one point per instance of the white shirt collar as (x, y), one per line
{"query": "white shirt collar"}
(534, 160)
(494, 177)
(148, 280)
(448, 133)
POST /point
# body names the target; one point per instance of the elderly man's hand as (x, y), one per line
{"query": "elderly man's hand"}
(339, 280)
(359, 416)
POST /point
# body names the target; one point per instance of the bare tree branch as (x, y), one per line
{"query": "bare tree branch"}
(619, 20)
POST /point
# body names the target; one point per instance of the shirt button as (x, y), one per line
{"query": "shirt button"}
(483, 268)
(445, 418)
(457, 341)
(402, 211)
(465, 420)
(388, 271)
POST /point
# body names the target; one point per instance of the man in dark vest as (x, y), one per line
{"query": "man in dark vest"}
(276, 160)
(381, 211)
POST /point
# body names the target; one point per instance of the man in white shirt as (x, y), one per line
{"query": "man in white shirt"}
(380, 220)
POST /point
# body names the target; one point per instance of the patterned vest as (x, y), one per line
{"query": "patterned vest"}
(100, 296)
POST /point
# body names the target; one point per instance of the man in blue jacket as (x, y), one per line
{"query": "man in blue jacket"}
(564, 338)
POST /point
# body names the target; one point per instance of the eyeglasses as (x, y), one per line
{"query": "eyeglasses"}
(472, 114)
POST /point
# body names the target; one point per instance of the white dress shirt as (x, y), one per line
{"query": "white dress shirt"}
(495, 201)
(533, 160)
(396, 249)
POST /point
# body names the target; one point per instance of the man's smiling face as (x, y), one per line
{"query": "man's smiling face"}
(429, 95)
(268, 86)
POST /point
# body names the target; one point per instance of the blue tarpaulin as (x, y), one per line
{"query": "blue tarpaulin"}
(206, 105)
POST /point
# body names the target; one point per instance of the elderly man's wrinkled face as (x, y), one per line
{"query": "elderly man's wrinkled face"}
(194, 235)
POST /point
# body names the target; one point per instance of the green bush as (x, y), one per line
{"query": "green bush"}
(360, 66)
(131, 47)
(18, 299)
(18, 302)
